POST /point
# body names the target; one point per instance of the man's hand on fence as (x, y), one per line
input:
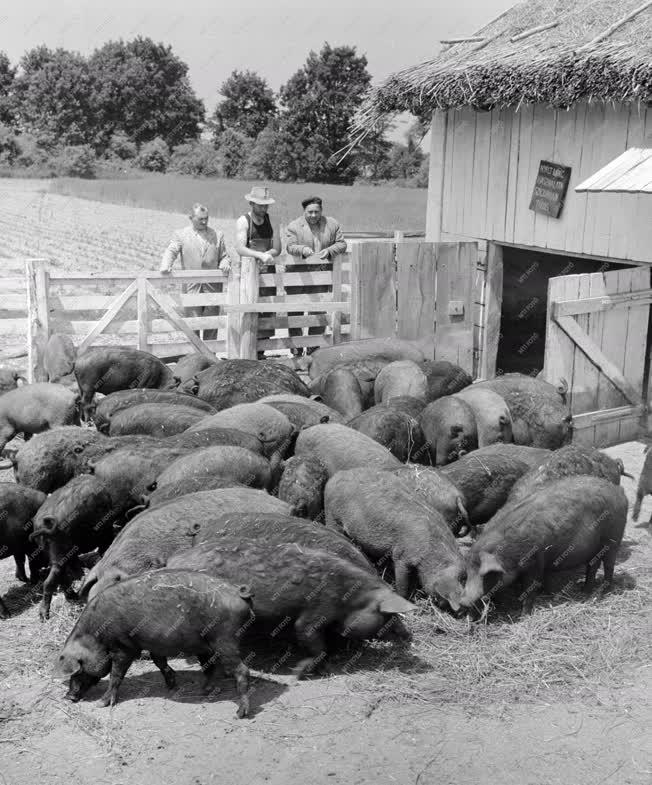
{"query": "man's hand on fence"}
(266, 258)
(325, 254)
(306, 252)
(165, 272)
(225, 266)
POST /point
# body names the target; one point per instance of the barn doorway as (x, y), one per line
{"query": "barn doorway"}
(521, 345)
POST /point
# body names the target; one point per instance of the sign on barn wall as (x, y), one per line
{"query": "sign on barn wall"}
(550, 189)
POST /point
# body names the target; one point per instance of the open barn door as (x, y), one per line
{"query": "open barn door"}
(596, 339)
(419, 291)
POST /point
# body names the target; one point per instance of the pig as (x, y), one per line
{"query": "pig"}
(173, 490)
(272, 427)
(9, 379)
(153, 419)
(50, 459)
(214, 435)
(394, 429)
(434, 489)
(364, 371)
(150, 538)
(75, 519)
(366, 350)
(444, 378)
(232, 382)
(106, 369)
(279, 529)
(407, 404)
(449, 428)
(492, 417)
(341, 390)
(315, 590)
(485, 477)
(18, 506)
(539, 418)
(401, 377)
(567, 523)
(122, 399)
(571, 460)
(59, 359)
(302, 412)
(190, 365)
(166, 612)
(644, 485)
(339, 447)
(236, 463)
(507, 382)
(388, 523)
(33, 408)
(302, 486)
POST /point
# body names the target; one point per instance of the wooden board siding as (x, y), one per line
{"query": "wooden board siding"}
(490, 160)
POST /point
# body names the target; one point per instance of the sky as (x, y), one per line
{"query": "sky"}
(271, 38)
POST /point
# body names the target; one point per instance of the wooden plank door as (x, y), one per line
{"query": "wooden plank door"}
(596, 339)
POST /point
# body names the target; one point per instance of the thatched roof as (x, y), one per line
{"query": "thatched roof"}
(596, 50)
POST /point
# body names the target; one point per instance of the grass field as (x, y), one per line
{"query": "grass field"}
(358, 208)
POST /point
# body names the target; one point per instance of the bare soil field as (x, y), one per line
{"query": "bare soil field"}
(562, 697)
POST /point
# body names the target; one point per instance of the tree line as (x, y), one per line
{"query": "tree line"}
(131, 104)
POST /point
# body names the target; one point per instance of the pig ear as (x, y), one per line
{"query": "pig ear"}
(489, 563)
(392, 603)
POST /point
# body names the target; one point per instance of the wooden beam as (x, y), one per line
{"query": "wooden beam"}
(295, 305)
(187, 276)
(167, 306)
(493, 303)
(249, 296)
(474, 39)
(532, 31)
(109, 316)
(234, 319)
(435, 203)
(588, 419)
(143, 327)
(595, 304)
(38, 325)
(596, 356)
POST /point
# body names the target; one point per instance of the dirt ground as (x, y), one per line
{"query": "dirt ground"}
(380, 719)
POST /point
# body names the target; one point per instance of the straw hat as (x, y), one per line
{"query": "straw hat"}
(260, 195)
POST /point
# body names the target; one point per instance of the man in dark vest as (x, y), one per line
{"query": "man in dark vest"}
(255, 237)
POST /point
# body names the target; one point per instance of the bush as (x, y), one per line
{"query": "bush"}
(9, 147)
(234, 149)
(154, 156)
(75, 161)
(122, 147)
(196, 158)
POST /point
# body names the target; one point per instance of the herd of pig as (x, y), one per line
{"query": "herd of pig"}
(202, 503)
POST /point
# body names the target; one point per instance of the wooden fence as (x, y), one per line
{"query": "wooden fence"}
(382, 287)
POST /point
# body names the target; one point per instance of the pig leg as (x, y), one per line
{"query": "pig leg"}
(609, 563)
(168, 674)
(230, 659)
(589, 576)
(120, 662)
(402, 578)
(309, 632)
(212, 668)
(4, 611)
(19, 558)
(49, 586)
(532, 581)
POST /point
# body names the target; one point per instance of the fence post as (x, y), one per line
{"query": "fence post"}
(249, 320)
(38, 319)
(233, 318)
(143, 326)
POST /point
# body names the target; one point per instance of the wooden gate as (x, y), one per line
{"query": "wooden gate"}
(419, 291)
(596, 339)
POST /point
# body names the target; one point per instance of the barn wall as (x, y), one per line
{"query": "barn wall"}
(489, 165)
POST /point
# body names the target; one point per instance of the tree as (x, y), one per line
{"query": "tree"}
(53, 90)
(405, 160)
(154, 155)
(318, 104)
(7, 77)
(196, 158)
(234, 149)
(248, 105)
(372, 153)
(142, 89)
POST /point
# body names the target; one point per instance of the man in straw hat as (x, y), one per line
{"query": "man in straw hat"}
(255, 237)
(198, 247)
(313, 234)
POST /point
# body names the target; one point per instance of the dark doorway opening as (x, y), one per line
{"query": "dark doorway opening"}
(521, 345)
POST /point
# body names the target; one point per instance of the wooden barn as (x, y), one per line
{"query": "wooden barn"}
(550, 96)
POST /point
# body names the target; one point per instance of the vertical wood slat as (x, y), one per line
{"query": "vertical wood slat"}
(142, 314)
(436, 175)
(559, 349)
(373, 290)
(634, 364)
(249, 321)
(279, 283)
(493, 303)
(454, 334)
(233, 320)
(416, 265)
(336, 316)
(585, 374)
(38, 318)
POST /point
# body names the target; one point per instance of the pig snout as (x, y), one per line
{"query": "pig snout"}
(394, 631)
